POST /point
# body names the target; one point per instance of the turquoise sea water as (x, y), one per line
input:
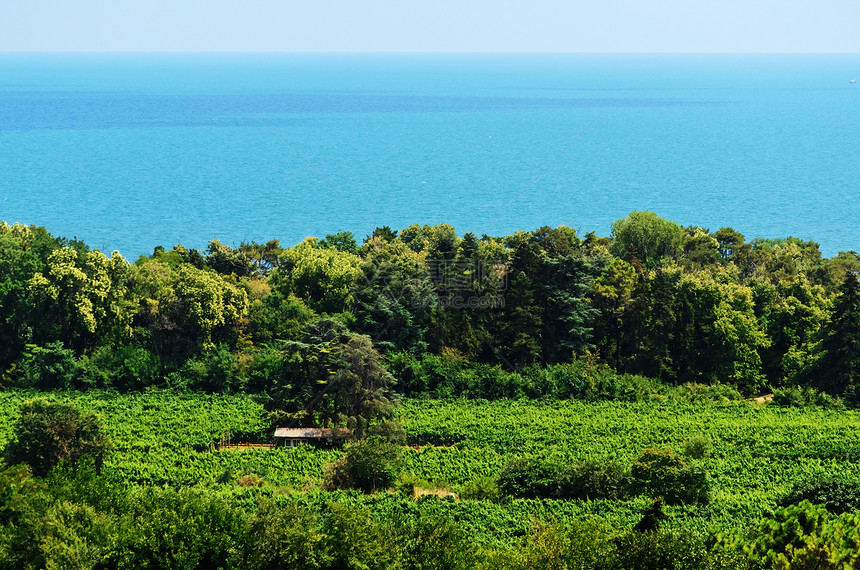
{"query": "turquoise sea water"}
(131, 151)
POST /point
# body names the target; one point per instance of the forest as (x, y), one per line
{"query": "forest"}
(477, 377)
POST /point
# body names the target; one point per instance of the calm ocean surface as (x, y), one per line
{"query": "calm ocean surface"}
(131, 151)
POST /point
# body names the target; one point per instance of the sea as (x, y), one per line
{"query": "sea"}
(130, 151)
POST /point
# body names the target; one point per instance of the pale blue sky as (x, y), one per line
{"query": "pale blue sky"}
(807, 26)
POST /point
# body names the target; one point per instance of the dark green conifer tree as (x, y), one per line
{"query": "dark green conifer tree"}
(841, 342)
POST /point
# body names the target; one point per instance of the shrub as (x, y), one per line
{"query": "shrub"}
(800, 536)
(663, 473)
(122, 368)
(48, 367)
(48, 433)
(410, 484)
(662, 549)
(550, 545)
(527, 478)
(795, 396)
(368, 465)
(355, 540)
(696, 392)
(836, 494)
(390, 430)
(697, 447)
(286, 536)
(433, 541)
(216, 370)
(481, 489)
(593, 480)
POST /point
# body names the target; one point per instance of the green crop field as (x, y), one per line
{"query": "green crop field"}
(758, 452)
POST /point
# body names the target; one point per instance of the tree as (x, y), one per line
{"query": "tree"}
(23, 252)
(341, 241)
(647, 237)
(86, 294)
(322, 276)
(368, 465)
(841, 342)
(48, 433)
(730, 241)
(185, 308)
(718, 334)
(333, 378)
(226, 260)
(394, 295)
(613, 295)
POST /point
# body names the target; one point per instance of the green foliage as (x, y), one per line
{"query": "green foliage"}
(481, 489)
(124, 368)
(836, 494)
(341, 241)
(662, 473)
(322, 275)
(840, 367)
(646, 238)
(698, 446)
(333, 379)
(797, 396)
(665, 549)
(593, 479)
(17, 487)
(228, 261)
(528, 478)
(394, 295)
(802, 536)
(47, 434)
(45, 368)
(367, 465)
(87, 295)
(209, 304)
(287, 536)
(390, 430)
(550, 545)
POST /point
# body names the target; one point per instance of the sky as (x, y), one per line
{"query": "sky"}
(655, 26)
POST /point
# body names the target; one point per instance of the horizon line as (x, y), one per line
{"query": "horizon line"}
(419, 52)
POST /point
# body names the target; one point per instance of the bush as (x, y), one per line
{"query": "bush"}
(214, 371)
(122, 368)
(286, 536)
(800, 536)
(432, 541)
(662, 473)
(49, 367)
(795, 396)
(48, 433)
(661, 549)
(390, 430)
(528, 478)
(591, 480)
(481, 489)
(837, 494)
(368, 465)
(550, 545)
(697, 447)
(695, 392)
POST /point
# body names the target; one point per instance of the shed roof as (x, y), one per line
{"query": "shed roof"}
(310, 433)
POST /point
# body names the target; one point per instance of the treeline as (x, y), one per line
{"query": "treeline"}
(303, 326)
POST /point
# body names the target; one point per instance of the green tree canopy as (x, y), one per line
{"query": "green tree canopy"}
(647, 237)
(48, 433)
(86, 293)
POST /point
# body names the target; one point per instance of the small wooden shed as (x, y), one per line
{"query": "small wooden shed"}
(293, 437)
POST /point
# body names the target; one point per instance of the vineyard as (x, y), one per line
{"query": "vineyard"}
(757, 452)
